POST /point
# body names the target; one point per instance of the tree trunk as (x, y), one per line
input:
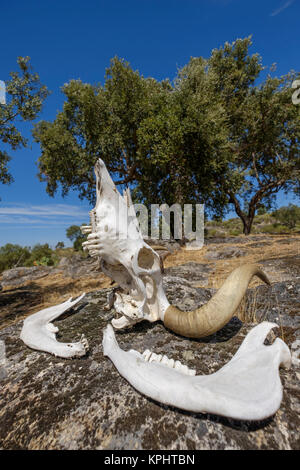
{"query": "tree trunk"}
(246, 219)
(247, 224)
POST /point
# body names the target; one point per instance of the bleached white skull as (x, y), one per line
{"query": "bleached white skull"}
(247, 387)
(114, 237)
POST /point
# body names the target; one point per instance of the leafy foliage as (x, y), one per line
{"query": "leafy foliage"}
(96, 121)
(25, 99)
(143, 131)
(263, 130)
(42, 255)
(288, 215)
(12, 256)
(212, 136)
(74, 234)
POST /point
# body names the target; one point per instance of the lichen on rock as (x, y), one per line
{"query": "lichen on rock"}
(52, 403)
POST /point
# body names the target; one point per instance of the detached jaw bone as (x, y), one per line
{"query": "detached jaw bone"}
(114, 237)
(39, 333)
(248, 387)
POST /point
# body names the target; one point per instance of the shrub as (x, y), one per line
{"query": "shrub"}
(288, 215)
(59, 246)
(273, 228)
(235, 232)
(12, 256)
(41, 255)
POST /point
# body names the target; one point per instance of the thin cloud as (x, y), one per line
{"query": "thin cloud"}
(47, 215)
(283, 7)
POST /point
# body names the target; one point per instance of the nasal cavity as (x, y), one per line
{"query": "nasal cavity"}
(146, 258)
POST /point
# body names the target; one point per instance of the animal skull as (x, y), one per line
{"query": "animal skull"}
(114, 238)
(124, 256)
(248, 387)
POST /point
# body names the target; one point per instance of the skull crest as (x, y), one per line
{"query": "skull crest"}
(114, 237)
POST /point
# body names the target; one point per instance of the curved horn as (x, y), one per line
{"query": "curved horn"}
(212, 316)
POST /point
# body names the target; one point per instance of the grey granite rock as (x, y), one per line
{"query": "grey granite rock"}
(18, 276)
(194, 273)
(225, 253)
(75, 267)
(51, 403)
(279, 304)
(78, 267)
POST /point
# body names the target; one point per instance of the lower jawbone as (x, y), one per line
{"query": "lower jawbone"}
(248, 387)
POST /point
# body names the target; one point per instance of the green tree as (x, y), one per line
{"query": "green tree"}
(97, 121)
(145, 131)
(212, 136)
(263, 130)
(186, 143)
(59, 245)
(25, 96)
(41, 254)
(74, 234)
(12, 256)
(288, 215)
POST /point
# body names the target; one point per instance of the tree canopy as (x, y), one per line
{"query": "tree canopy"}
(214, 135)
(98, 121)
(288, 215)
(25, 96)
(263, 130)
(74, 234)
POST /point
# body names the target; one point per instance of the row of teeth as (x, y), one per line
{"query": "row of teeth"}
(86, 229)
(152, 357)
(89, 228)
(84, 342)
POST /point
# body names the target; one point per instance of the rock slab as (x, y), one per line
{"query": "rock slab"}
(52, 403)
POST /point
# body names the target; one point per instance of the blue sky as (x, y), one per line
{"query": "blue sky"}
(77, 39)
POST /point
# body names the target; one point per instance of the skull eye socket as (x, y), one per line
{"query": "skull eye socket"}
(146, 259)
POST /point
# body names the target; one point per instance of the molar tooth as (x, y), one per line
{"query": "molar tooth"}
(165, 360)
(147, 354)
(171, 363)
(153, 357)
(158, 357)
(184, 369)
(86, 229)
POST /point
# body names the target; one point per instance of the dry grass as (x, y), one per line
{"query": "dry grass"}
(45, 292)
(222, 268)
(248, 311)
(54, 289)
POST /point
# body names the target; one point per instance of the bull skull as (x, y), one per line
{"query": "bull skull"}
(124, 256)
(114, 238)
(248, 387)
